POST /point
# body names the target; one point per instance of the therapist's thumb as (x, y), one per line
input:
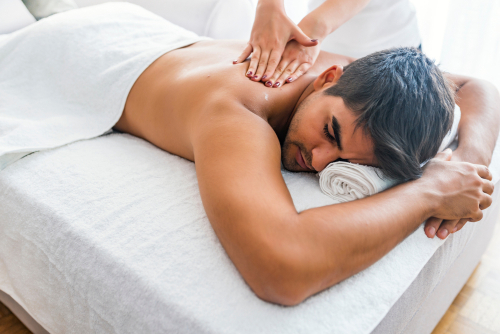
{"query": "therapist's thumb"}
(303, 39)
(445, 155)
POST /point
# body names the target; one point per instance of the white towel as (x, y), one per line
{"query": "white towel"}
(67, 77)
(345, 181)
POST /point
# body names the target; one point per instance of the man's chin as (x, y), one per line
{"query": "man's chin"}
(292, 166)
(288, 160)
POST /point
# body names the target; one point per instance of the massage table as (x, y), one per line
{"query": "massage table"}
(109, 235)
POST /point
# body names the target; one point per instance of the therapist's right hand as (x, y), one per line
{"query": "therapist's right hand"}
(272, 29)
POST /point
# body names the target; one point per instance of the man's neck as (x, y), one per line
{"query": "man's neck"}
(280, 115)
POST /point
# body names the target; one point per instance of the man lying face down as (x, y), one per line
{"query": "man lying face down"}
(390, 109)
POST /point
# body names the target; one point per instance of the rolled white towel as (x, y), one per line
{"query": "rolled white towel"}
(345, 181)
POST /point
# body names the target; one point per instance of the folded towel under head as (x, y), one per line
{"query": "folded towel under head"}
(345, 181)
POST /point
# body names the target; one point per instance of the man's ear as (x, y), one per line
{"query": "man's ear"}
(328, 77)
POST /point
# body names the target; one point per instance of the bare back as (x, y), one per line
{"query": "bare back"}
(183, 83)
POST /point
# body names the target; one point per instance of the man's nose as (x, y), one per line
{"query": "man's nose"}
(323, 155)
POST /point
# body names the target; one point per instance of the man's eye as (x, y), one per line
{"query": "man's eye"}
(328, 134)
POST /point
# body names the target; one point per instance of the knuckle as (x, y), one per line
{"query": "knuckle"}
(273, 62)
(470, 167)
(479, 215)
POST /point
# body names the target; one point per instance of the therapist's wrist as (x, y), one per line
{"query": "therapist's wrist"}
(315, 28)
(273, 5)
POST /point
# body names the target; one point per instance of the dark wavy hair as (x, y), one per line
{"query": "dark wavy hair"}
(404, 102)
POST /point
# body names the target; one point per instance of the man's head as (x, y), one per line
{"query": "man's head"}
(390, 109)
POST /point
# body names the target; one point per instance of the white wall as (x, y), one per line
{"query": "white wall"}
(463, 35)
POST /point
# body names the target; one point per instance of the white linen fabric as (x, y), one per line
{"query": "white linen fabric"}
(382, 24)
(80, 90)
(13, 16)
(345, 181)
(109, 235)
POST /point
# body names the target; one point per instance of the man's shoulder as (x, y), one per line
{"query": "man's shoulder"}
(230, 123)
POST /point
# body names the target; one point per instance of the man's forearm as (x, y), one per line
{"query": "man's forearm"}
(479, 102)
(331, 243)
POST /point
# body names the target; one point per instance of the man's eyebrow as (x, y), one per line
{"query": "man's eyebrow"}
(336, 131)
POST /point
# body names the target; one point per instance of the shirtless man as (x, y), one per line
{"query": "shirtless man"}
(390, 109)
(194, 103)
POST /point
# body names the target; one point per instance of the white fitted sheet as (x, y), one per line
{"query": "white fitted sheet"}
(109, 235)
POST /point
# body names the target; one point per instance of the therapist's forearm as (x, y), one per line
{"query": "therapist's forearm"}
(479, 102)
(329, 16)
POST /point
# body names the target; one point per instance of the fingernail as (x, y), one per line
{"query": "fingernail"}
(235, 61)
(264, 77)
(314, 40)
(276, 84)
(455, 229)
(255, 76)
(432, 231)
(269, 84)
(289, 79)
(444, 233)
(249, 73)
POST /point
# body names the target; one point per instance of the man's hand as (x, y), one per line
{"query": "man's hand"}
(479, 102)
(465, 189)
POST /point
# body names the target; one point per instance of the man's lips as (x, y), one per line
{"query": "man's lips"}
(300, 159)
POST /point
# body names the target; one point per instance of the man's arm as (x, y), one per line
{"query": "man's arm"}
(479, 103)
(287, 256)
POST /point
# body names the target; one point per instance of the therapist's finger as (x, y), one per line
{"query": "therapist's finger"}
(298, 72)
(254, 62)
(272, 82)
(287, 72)
(264, 58)
(244, 55)
(274, 60)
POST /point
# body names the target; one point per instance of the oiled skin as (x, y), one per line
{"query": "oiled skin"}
(182, 83)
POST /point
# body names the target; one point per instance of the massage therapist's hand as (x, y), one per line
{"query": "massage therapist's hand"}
(464, 190)
(272, 30)
(296, 60)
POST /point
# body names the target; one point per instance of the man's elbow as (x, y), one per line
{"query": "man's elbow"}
(276, 293)
(284, 280)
